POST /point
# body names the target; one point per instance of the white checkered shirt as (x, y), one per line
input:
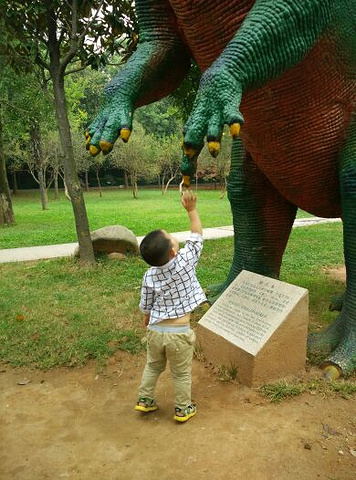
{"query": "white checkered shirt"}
(172, 290)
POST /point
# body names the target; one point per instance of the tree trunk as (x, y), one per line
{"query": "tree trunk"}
(35, 136)
(6, 211)
(70, 175)
(86, 176)
(168, 183)
(56, 190)
(223, 189)
(42, 189)
(66, 192)
(98, 180)
(15, 189)
(134, 186)
(126, 180)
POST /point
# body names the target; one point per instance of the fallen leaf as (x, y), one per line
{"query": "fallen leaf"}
(23, 382)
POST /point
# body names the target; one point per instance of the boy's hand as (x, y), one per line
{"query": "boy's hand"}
(189, 200)
(146, 319)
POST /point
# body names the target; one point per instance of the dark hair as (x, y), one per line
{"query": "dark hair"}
(155, 248)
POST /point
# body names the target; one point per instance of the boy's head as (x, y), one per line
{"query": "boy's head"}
(158, 247)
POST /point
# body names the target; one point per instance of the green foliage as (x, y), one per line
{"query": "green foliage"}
(83, 92)
(185, 94)
(88, 33)
(160, 119)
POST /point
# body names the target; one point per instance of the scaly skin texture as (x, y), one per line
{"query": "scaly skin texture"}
(285, 72)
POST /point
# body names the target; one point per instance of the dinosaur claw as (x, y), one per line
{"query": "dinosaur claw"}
(331, 372)
(105, 146)
(125, 134)
(186, 181)
(214, 148)
(234, 130)
(87, 143)
(189, 151)
(94, 151)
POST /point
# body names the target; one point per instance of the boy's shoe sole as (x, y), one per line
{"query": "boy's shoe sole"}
(141, 408)
(186, 417)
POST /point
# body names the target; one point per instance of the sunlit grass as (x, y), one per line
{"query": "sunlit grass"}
(55, 313)
(150, 211)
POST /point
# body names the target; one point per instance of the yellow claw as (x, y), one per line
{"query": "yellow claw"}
(235, 129)
(105, 146)
(87, 143)
(189, 151)
(94, 151)
(125, 134)
(86, 133)
(214, 148)
(331, 372)
(186, 181)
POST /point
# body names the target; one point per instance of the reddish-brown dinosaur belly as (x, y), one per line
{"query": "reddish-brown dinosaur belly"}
(208, 25)
(295, 126)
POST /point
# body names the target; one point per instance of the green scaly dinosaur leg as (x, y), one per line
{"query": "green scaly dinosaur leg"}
(344, 356)
(262, 219)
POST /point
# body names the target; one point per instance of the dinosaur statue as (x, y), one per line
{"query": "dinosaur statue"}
(282, 75)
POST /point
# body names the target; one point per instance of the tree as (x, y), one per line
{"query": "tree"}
(6, 211)
(28, 114)
(168, 156)
(52, 156)
(136, 158)
(61, 37)
(216, 169)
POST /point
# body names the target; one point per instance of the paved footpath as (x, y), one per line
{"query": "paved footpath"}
(67, 249)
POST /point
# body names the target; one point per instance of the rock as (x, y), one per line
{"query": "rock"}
(113, 239)
(116, 256)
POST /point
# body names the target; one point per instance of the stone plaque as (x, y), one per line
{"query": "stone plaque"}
(259, 326)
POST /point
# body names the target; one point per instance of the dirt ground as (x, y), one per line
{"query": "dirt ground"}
(77, 424)
(80, 425)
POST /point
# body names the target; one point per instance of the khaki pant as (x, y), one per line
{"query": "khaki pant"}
(177, 348)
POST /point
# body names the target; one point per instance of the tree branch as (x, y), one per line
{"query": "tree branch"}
(41, 63)
(75, 70)
(81, 38)
(33, 173)
(74, 44)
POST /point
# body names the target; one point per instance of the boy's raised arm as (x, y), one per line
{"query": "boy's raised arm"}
(189, 202)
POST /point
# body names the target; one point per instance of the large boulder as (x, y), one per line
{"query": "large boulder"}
(114, 238)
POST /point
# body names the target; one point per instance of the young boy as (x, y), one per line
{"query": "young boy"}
(170, 291)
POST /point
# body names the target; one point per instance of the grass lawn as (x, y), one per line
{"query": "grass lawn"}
(152, 210)
(54, 313)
